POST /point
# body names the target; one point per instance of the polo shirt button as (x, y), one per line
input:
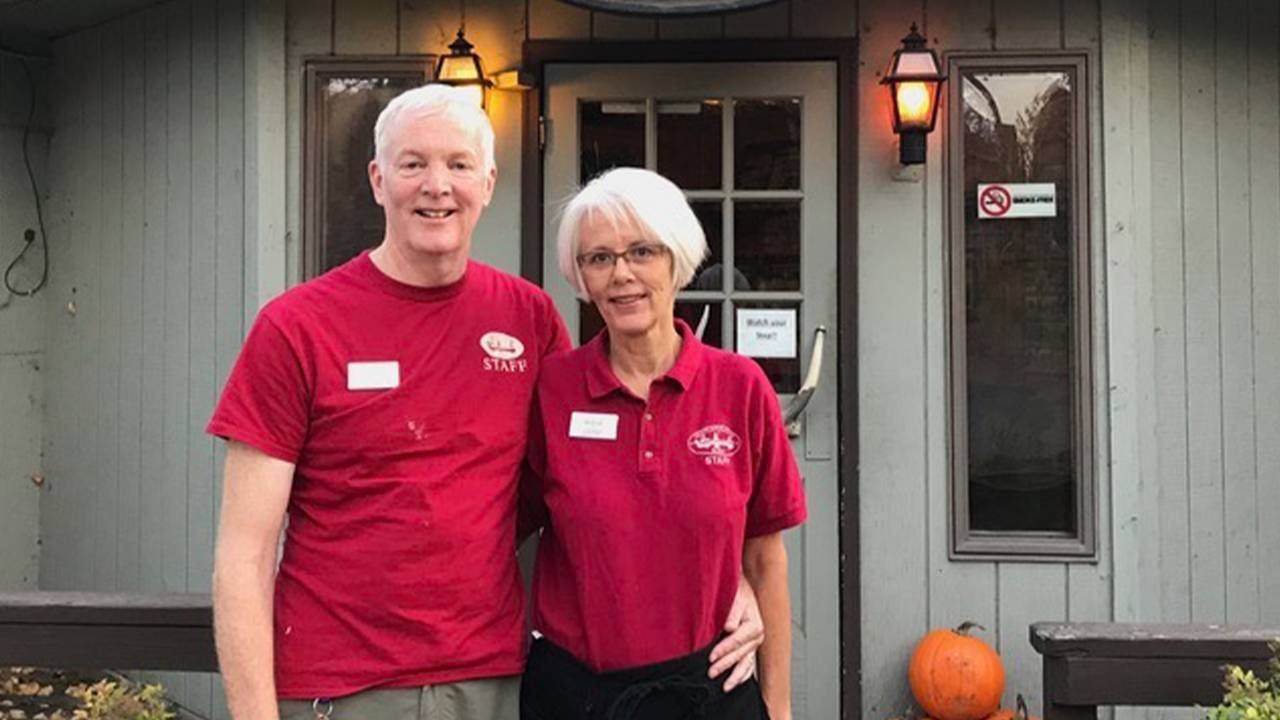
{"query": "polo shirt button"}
(648, 454)
(648, 416)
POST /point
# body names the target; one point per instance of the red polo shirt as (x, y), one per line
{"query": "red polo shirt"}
(645, 520)
(404, 410)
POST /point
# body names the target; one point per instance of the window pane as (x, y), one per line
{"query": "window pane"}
(612, 135)
(783, 372)
(766, 247)
(705, 314)
(349, 108)
(689, 144)
(766, 144)
(710, 275)
(1018, 305)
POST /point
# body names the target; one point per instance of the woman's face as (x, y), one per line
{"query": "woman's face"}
(633, 291)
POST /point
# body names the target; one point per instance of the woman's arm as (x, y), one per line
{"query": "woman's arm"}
(764, 561)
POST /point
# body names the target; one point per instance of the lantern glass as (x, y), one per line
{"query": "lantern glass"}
(454, 68)
(915, 105)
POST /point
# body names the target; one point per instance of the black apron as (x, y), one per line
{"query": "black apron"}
(556, 686)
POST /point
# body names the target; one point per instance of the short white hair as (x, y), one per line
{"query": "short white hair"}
(442, 100)
(646, 200)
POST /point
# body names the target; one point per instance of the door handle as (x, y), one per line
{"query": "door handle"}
(791, 414)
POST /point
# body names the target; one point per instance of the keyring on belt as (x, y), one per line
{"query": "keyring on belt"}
(323, 708)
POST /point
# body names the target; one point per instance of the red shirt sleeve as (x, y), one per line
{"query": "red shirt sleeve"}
(531, 510)
(267, 400)
(777, 497)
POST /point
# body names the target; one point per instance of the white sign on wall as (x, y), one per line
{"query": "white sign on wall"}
(767, 333)
(1001, 201)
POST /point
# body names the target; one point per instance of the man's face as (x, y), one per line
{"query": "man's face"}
(432, 185)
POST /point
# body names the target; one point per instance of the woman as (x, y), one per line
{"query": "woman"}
(661, 472)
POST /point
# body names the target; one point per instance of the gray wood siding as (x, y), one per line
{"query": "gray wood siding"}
(21, 329)
(145, 309)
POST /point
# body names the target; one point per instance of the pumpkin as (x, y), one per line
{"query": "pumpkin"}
(956, 676)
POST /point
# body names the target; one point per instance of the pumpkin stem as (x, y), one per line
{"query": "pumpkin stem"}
(1021, 712)
(967, 625)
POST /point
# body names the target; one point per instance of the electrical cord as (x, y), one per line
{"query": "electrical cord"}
(35, 193)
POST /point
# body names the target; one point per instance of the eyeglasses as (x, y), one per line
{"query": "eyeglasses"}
(637, 256)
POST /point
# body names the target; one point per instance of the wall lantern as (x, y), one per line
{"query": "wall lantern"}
(914, 78)
(462, 68)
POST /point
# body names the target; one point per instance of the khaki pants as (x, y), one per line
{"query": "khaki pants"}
(488, 699)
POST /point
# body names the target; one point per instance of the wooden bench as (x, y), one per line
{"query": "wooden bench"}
(1091, 664)
(107, 630)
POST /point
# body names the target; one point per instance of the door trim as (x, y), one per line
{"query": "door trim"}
(844, 53)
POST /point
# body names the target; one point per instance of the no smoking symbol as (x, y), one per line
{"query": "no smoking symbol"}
(995, 201)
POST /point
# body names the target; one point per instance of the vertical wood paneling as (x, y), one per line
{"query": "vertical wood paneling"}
(364, 26)
(825, 18)
(609, 26)
(957, 591)
(1204, 349)
(133, 213)
(773, 20)
(1027, 593)
(309, 35)
(1017, 28)
(1235, 313)
(21, 383)
(1080, 24)
(555, 20)
(892, 403)
(1170, 327)
(153, 277)
(107, 460)
(420, 28)
(1264, 215)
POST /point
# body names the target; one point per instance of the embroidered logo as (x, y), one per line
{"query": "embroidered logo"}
(715, 444)
(504, 353)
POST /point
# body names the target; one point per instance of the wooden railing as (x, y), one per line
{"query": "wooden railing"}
(1087, 665)
(107, 630)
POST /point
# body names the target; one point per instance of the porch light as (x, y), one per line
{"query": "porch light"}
(462, 68)
(914, 78)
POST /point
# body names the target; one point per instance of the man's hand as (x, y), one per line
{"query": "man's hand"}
(746, 633)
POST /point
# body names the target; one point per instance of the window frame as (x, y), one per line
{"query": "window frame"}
(979, 545)
(317, 71)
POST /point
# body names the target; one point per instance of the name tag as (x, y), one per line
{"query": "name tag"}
(593, 426)
(373, 375)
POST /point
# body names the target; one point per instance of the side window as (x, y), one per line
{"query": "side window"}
(342, 102)
(1022, 479)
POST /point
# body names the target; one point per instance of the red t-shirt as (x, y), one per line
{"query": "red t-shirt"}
(645, 521)
(399, 566)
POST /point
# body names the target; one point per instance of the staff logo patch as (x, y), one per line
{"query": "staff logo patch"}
(504, 353)
(715, 444)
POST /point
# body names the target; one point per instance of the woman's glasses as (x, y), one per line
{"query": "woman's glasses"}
(602, 261)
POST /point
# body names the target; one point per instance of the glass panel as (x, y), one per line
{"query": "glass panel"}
(710, 275)
(689, 146)
(694, 312)
(783, 372)
(766, 246)
(349, 107)
(589, 322)
(612, 135)
(1018, 306)
(766, 144)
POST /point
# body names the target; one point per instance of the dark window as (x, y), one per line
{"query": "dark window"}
(343, 99)
(1022, 479)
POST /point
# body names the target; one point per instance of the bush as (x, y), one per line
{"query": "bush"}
(1249, 697)
(109, 700)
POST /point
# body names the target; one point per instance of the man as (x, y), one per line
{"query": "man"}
(384, 406)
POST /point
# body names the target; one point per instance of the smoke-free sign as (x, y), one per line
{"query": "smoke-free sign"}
(1000, 201)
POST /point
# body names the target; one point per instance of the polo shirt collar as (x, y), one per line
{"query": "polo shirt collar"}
(600, 377)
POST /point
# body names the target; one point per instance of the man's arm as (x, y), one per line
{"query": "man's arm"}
(764, 560)
(255, 495)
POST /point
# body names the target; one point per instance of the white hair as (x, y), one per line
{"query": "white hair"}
(440, 100)
(651, 203)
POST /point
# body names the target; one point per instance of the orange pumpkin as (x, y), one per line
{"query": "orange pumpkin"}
(956, 676)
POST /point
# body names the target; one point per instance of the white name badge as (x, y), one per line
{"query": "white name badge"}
(373, 375)
(594, 426)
